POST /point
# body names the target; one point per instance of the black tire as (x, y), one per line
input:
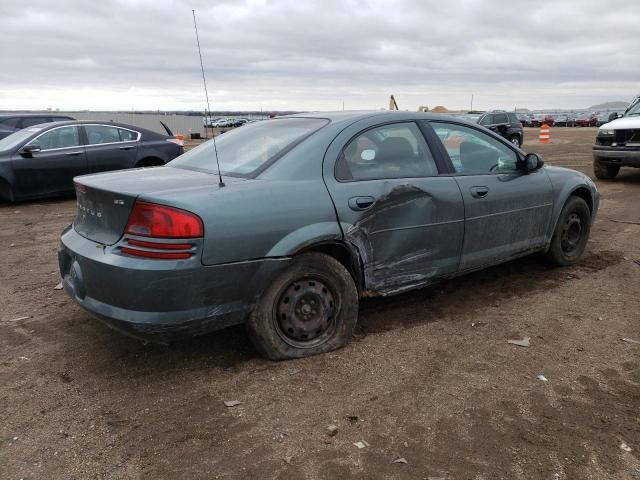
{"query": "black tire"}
(150, 162)
(515, 139)
(571, 233)
(316, 285)
(605, 172)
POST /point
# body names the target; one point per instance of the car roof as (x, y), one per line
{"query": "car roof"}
(31, 115)
(384, 115)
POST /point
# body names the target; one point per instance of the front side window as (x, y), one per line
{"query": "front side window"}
(473, 151)
(243, 151)
(97, 134)
(63, 137)
(391, 151)
(487, 120)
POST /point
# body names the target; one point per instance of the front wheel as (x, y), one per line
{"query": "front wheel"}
(571, 234)
(515, 139)
(311, 308)
(605, 172)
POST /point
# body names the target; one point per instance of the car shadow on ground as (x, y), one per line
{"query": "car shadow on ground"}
(228, 349)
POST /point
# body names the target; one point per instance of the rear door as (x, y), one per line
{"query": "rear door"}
(405, 219)
(51, 170)
(507, 211)
(110, 147)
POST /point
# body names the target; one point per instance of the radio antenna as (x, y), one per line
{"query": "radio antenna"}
(206, 94)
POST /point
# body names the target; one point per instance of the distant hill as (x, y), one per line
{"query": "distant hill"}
(609, 106)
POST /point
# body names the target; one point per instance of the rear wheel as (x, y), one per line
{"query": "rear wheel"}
(605, 172)
(571, 233)
(309, 309)
(150, 162)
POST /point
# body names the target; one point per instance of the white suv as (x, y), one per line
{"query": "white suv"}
(618, 143)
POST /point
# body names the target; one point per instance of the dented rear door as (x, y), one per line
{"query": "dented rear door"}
(405, 220)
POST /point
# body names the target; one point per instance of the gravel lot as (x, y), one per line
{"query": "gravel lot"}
(429, 378)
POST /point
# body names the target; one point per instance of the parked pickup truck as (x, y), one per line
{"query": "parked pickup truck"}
(618, 143)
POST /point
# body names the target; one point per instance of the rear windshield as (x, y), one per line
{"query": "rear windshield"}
(246, 149)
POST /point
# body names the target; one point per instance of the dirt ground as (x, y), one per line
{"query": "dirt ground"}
(429, 377)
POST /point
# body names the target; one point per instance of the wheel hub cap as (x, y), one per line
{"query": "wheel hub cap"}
(305, 312)
(571, 233)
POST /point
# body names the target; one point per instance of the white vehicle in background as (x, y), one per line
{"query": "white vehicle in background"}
(618, 143)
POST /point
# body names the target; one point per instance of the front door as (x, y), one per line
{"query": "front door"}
(507, 211)
(50, 170)
(405, 220)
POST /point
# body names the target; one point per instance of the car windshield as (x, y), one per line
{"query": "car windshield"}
(635, 110)
(11, 141)
(244, 150)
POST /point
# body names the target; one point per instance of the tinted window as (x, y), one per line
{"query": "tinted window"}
(29, 121)
(473, 151)
(97, 134)
(62, 137)
(390, 151)
(244, 150)
(487, 120)
(127, 135)
(9, 122)
(500, 118)
(513, 118)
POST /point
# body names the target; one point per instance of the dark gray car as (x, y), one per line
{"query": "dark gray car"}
(41, 160)
(11, 123)
(314, 211)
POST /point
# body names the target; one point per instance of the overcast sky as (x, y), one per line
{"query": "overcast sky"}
(315, 55)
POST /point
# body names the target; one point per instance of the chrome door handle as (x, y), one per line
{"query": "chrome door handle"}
(72, 154)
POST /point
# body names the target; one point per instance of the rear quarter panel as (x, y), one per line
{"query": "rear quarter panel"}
(256, 219)
(165, 151)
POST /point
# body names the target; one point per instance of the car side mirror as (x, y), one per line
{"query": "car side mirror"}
(532, 162)
(29, 149)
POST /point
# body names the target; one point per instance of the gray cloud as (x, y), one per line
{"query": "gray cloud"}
(314, 55)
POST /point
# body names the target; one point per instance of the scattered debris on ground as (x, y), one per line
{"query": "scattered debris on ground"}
(520, 343)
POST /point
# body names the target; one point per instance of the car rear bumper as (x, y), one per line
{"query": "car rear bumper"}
(160, 300)
(621, 156)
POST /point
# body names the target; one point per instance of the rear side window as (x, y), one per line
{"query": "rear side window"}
(98, 134)
(390, 151)
(63, 137)
(127, 135)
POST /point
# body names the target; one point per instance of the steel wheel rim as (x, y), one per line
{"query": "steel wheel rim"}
(571, 234)
(305, 312)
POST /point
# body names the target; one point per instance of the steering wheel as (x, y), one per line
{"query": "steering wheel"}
(494, 167)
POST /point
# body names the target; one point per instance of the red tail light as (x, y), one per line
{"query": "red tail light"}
(160, 255)
(159, 221)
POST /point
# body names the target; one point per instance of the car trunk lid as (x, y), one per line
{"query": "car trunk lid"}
(105, 200)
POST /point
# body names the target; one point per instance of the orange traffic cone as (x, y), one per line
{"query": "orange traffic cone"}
(544, 133)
